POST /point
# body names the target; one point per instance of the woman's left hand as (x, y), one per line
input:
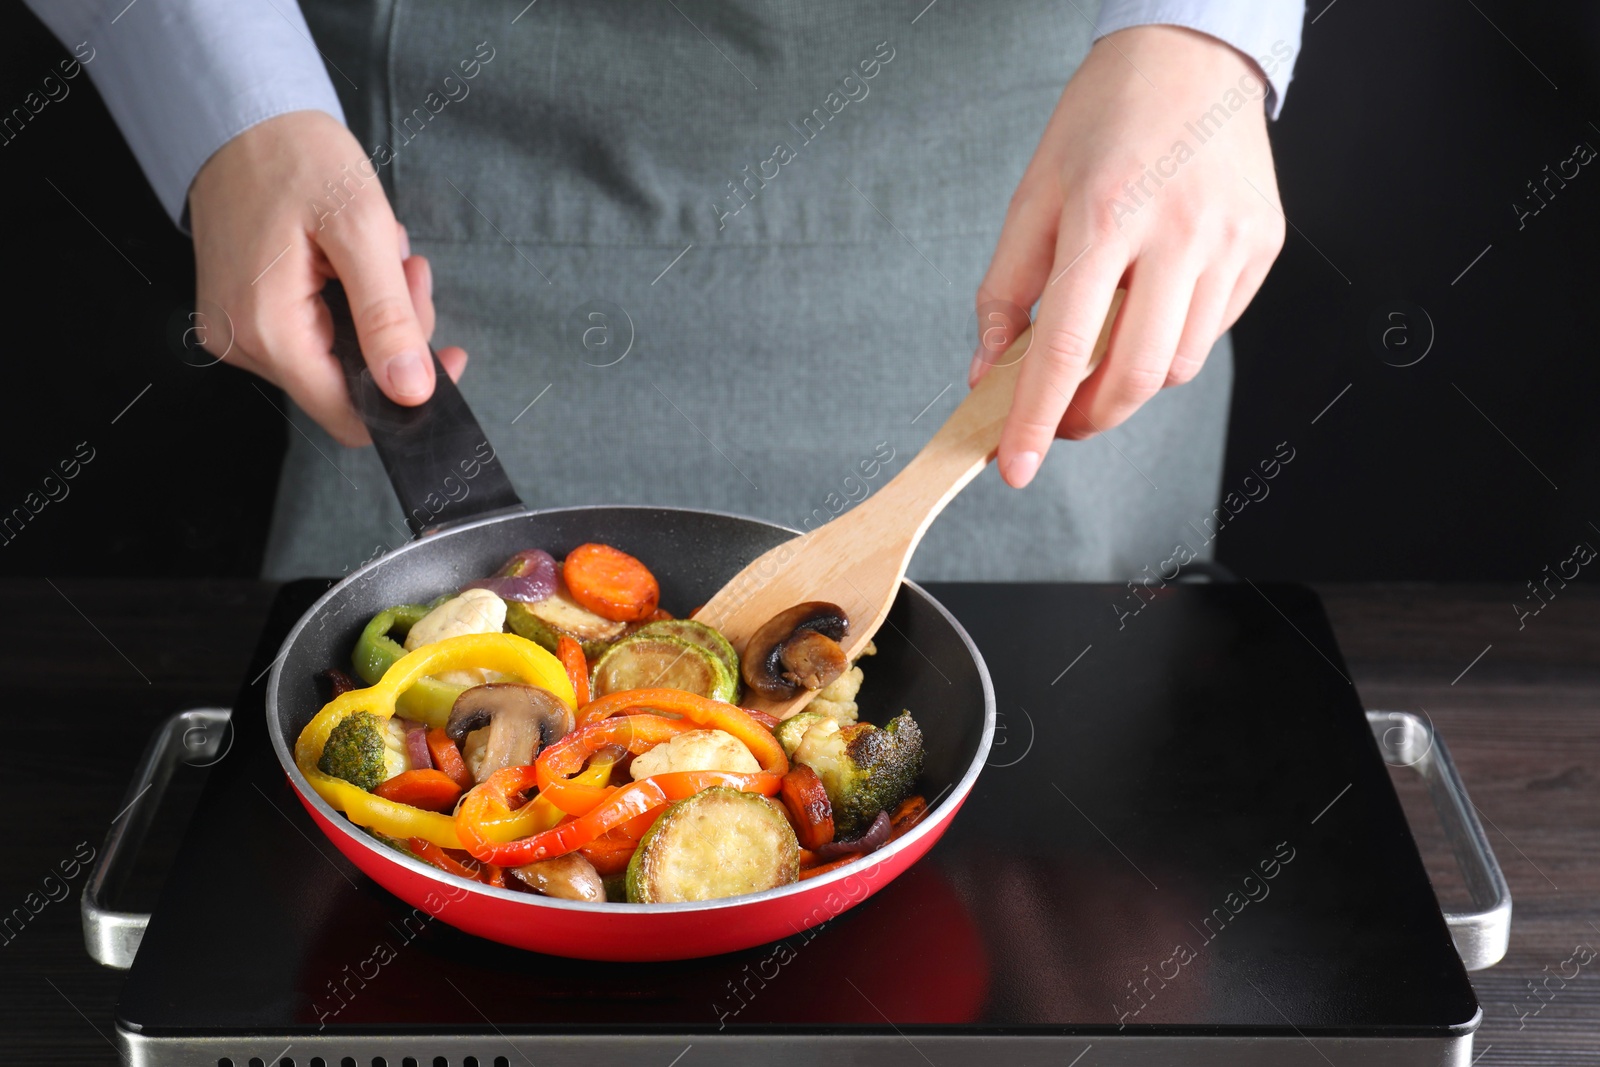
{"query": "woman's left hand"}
(1155, 174)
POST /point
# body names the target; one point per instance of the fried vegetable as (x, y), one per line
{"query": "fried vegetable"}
(355, 751)
(864, 768)
(610, 583)
(569, 877)
(696, 750)
(646, 661)
(796, 649)
(810, 810)
(838, 699)
(698, 633)
(546, 621)
(790, 731)
(718, 843)
(427, 789)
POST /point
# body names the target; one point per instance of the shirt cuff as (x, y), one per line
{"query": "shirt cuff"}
(183, 79)
(1268, 31)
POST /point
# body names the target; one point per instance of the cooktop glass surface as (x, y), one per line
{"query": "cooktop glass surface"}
(1184, 827)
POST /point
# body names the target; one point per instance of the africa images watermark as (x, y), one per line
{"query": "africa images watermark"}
(853, 87)
(52, 90)
(454, 90)
(1204, 127)
(51, 489)
(1251, 890)
(1141, 591)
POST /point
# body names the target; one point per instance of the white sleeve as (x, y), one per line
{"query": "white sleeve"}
(183, 77)
(1268, 31)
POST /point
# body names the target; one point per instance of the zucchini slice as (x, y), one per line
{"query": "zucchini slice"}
(545, 621)
(697, 633)
(718, 843)
(645, 661)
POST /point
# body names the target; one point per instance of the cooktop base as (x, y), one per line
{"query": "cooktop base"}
(1185, 848)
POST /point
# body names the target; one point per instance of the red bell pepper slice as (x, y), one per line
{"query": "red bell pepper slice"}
(491, 799)
(570, 653)
(565, 758)
(703, 712)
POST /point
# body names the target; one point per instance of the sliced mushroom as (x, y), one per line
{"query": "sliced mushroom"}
(789, 652)
(570, 877)
(811, 660)
(520, 720)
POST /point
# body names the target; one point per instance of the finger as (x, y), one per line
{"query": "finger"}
(454, 360)
(1071, 315)
(419, 283)
(1204, 324)
(1244, 291)
(419, 279)
(1142, 347)
(1018, 273)
(291, 338)
(365, 253)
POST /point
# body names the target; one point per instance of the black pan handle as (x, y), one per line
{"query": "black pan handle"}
(439, 460)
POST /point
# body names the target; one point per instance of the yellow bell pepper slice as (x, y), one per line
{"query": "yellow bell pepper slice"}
(539, 814)
(507, 653)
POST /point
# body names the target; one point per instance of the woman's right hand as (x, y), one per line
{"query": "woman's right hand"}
(269, 232)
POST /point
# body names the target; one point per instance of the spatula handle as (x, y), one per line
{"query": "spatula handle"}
(970, 437)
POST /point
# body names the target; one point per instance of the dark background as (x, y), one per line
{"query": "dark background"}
(1409, 133)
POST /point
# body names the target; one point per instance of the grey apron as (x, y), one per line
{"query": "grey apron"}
(723, 255)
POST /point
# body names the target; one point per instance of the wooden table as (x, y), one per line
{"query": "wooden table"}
(91, 668)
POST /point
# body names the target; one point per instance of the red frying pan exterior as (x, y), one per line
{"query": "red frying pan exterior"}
(630, 932)
(692, 554)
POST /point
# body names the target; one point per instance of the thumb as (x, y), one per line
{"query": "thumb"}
(367, 261)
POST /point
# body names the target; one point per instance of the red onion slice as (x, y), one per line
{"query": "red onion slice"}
(529, 576)
(875, 837)
(417, 753)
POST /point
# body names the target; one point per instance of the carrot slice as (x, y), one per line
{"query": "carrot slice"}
(610, 583)
(806, 803)
(907, 814)
(571, 655)
(428, 789)
(447, 757)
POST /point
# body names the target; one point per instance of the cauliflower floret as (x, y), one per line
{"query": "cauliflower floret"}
(696, 750)
(837, 700)
(819, 748)
(476, 611)
(394, 748)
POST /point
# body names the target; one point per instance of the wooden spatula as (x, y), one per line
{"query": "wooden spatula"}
(858, 559)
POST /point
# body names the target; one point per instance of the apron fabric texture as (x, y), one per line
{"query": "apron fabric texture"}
(723, 255)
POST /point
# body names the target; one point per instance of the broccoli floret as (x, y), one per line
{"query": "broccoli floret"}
(355, 751)
(865, 769)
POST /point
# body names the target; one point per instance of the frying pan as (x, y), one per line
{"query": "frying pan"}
(468, 520)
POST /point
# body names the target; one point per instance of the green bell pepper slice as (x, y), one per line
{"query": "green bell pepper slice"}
(429, 700)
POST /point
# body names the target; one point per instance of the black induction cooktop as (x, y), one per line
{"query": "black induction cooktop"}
(1185, 848)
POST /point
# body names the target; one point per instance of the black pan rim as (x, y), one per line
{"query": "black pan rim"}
(955, 796)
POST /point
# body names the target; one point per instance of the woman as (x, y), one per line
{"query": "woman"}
(725, 256)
